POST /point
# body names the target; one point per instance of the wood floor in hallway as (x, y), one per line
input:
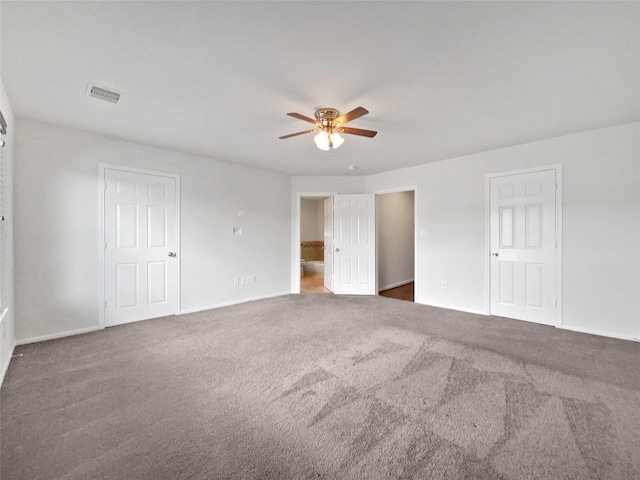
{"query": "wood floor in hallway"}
(314, 283)
(403, 292)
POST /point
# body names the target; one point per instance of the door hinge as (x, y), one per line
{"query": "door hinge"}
(105, 304)
(105, 244)
(556, 302)
(105, 185)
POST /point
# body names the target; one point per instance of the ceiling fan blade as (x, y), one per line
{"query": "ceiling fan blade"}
(358, 131)
(352, 115)
(299, 133)
(302, 117)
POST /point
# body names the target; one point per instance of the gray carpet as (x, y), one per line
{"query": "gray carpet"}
(324, 387)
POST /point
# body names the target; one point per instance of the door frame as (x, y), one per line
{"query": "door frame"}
(416, 236)
(487, 203)
(101, 269)
(295, 236)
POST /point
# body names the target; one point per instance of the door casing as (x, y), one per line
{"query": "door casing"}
(328, 243)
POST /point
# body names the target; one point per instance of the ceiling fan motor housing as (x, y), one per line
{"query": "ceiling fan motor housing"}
(326, 116)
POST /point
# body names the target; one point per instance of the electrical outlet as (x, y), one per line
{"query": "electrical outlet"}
(445, 284)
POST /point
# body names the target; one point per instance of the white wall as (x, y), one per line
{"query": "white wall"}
(57, 226)
(345, 184)
(7, 337)
(311, 226)
(320, 218)
(395, 219)
(601, 225)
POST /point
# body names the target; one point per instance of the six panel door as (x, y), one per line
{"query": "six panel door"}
(523, 246)
(140, 240)
(354, 254)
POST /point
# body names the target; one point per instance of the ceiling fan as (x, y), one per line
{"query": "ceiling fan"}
(330, 124)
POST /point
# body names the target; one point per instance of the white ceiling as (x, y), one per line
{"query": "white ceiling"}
(441, 79)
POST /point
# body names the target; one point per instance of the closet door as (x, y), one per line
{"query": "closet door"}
(140, 246)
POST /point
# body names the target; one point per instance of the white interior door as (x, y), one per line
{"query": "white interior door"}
(140, 241)
(328, 244)
(523, 246)
(354, 255)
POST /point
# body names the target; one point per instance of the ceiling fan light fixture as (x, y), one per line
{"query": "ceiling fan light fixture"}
(330, 124)
(322, 141)
(336, 140)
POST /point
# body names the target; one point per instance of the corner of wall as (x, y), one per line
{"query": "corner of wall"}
(7, 321)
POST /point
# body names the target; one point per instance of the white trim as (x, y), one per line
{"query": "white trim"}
(487, 245)
(456, 308)
(600, 333)
(416, 238)
(13, 346)
(559, 254)
(235, 302)
(396, 285)
(101, 284)
(5, 369)
(487, 287)
(53, 336)
(295, 235)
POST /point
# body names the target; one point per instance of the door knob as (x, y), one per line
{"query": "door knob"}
(337, 249)
(172, 254)
(494, 254)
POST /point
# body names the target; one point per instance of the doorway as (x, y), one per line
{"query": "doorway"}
(395, 218)
(349, 248)
(315, 272)
(140, 231)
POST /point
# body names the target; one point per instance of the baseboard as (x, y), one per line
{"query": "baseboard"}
(573, 329)
(395, 285)
(69, 333)
(235, 302)
(601, 333)
(450, 307)
(6, 367)
(52, 336)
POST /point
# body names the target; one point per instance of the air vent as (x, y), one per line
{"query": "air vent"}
(103, 94)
